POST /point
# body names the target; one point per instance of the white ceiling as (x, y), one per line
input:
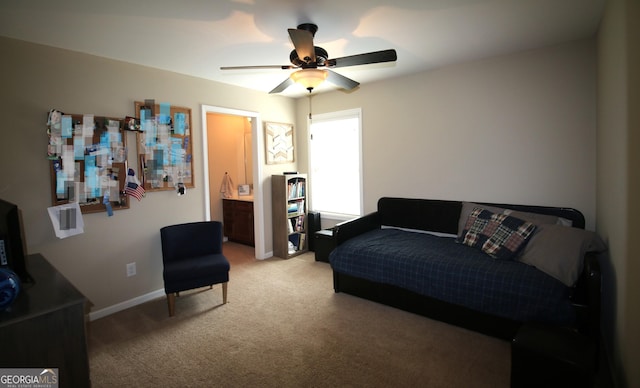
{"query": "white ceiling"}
(197, 37)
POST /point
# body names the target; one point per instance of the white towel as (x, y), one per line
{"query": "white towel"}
(226, 188)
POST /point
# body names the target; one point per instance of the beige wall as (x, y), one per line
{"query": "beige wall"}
(518, 128)
(36, 79)
(619, 184)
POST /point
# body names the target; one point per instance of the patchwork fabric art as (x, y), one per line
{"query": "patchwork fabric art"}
(498, 235)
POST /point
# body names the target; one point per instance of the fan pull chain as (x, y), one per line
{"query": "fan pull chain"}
(309, 104)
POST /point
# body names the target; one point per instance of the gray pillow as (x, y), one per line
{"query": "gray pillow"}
(559, 251)
(534, 218)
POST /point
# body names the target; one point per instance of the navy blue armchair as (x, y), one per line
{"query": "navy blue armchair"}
(192, 258)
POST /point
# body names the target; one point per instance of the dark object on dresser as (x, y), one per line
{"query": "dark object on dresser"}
(441, 216)
(192, 258)
(12, 248)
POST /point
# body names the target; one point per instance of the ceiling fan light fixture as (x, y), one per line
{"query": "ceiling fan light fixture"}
(307, 58)
(309, 78)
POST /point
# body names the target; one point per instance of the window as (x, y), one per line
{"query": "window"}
(335, 164)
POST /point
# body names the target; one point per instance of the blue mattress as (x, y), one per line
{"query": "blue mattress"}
(443, 269)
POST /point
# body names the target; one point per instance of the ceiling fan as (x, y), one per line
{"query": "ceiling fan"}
(313, 62)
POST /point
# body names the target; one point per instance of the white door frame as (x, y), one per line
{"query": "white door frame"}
(257, 149)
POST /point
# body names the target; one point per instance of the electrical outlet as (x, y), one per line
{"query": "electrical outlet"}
(131, 269)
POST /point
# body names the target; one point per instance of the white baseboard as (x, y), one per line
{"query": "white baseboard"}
(126, 304)
(139, 300)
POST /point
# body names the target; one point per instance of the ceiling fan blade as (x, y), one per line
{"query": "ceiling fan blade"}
(341, 80)
(283, 67)
(364, 59)
(285, 84)
(303, 42)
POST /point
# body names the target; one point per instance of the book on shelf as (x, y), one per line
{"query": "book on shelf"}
(298, 240)
(291, 190)
(296, 189)
(296, 224)
(296, 207)
(303, 240)
(300, 223)
(295, 240)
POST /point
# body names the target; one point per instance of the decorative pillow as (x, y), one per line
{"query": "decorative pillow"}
(498, 235)
(559, 251)
(467, 208)
(534, 218)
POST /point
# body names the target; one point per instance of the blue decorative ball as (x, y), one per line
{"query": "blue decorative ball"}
(9, 287)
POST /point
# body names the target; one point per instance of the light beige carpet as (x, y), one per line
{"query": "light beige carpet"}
(285, 327)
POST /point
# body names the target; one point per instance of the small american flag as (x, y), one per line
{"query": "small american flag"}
(134, 190)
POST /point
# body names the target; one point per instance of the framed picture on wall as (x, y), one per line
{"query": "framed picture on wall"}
(278, 142)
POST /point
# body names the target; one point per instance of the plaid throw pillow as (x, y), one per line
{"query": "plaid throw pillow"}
(498, 235)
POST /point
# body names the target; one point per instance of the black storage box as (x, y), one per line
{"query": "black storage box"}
(313, 224)
(544, 356)
(324, 244)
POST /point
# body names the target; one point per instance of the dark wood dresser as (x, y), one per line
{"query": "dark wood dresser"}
(45, 327)
(237, 217)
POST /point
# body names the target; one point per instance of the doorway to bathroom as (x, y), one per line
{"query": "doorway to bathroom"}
(231, 153)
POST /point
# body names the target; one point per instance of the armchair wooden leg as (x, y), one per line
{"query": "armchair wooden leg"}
(224, 293)
(171, 301)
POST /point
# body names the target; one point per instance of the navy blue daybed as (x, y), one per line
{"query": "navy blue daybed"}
(386, 256)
